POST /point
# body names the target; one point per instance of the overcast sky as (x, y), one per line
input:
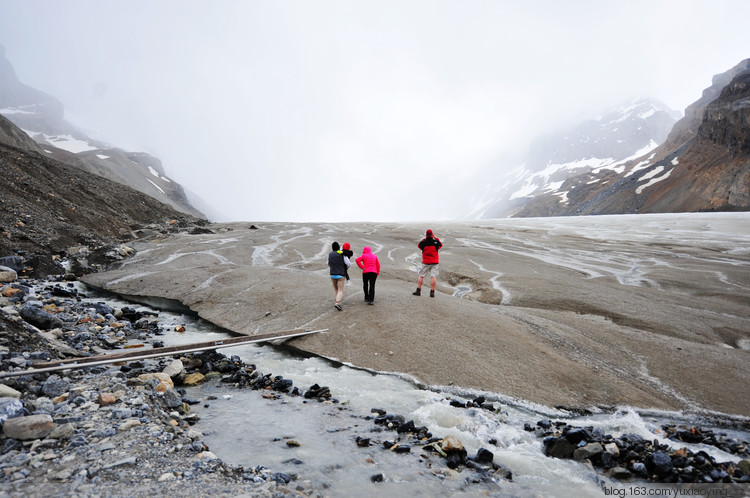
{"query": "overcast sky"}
(355, 111)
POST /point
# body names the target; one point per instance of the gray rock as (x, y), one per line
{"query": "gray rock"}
(559, 448)
(31, 427)
(8, 392)
(620, 473)
(63, 431)
(587, 452)
(172, 398)
(174, 369)
(12, 262)
(120, 463)
(7, 274)
(55, 386)
(659, 463)
(40, 318)
(612, 448)
(10, 408)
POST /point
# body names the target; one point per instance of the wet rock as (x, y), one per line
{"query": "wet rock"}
(587, 452)
(613, 449)
(172, 398)
(363, 441)
(620, 473)
(193, 379)
(484, 456)
(558, 447)
(451, 443)
(29, 427)
(316, 391)
(576, 435)
(659, 463)
(639, 468)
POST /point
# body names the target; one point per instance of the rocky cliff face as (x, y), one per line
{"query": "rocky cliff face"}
(41, 116)
(703, 165)
(50, 210)
(593, 148)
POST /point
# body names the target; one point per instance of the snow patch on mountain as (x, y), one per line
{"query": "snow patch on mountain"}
(589, 152)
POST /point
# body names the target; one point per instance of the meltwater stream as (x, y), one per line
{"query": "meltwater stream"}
(316, 442)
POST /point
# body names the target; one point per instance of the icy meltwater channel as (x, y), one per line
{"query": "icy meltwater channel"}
(244, 427)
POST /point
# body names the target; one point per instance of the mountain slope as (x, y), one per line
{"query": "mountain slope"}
(597, 145)
(41, 116)
(49, 208)
(703, 165)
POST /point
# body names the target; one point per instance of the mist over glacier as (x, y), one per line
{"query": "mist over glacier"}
(340, 112)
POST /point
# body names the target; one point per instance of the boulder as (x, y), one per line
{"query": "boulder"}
(558, 447)
(13, 262)
(659, 463)
(39, 318)
(174, 369)
(8, 274)
(26, 428)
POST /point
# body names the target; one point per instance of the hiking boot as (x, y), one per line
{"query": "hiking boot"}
(432, 293)
(417, 292)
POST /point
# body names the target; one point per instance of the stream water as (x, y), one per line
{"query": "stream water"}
(316, 441)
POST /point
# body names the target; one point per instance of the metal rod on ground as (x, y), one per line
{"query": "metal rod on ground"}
(91, 361)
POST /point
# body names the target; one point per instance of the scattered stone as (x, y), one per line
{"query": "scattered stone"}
(451, 443)
(106, 399)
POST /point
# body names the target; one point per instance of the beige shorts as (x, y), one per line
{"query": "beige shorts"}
(429, 270)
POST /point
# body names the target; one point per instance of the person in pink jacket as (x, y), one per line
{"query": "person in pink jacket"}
(370, 265)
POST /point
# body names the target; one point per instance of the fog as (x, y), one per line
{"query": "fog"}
(356, 111)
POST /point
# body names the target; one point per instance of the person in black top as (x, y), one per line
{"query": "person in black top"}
(339, 265)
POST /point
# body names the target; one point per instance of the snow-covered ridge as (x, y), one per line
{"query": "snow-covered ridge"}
(590, 150)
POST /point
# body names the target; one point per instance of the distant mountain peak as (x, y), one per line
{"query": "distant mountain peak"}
(639, 158)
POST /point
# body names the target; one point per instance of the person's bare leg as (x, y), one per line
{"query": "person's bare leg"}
(418, 292)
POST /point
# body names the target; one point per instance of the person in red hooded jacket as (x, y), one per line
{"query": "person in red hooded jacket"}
(370, 265)
(430, 246)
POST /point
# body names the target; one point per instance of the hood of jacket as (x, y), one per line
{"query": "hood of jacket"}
(366, 250)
